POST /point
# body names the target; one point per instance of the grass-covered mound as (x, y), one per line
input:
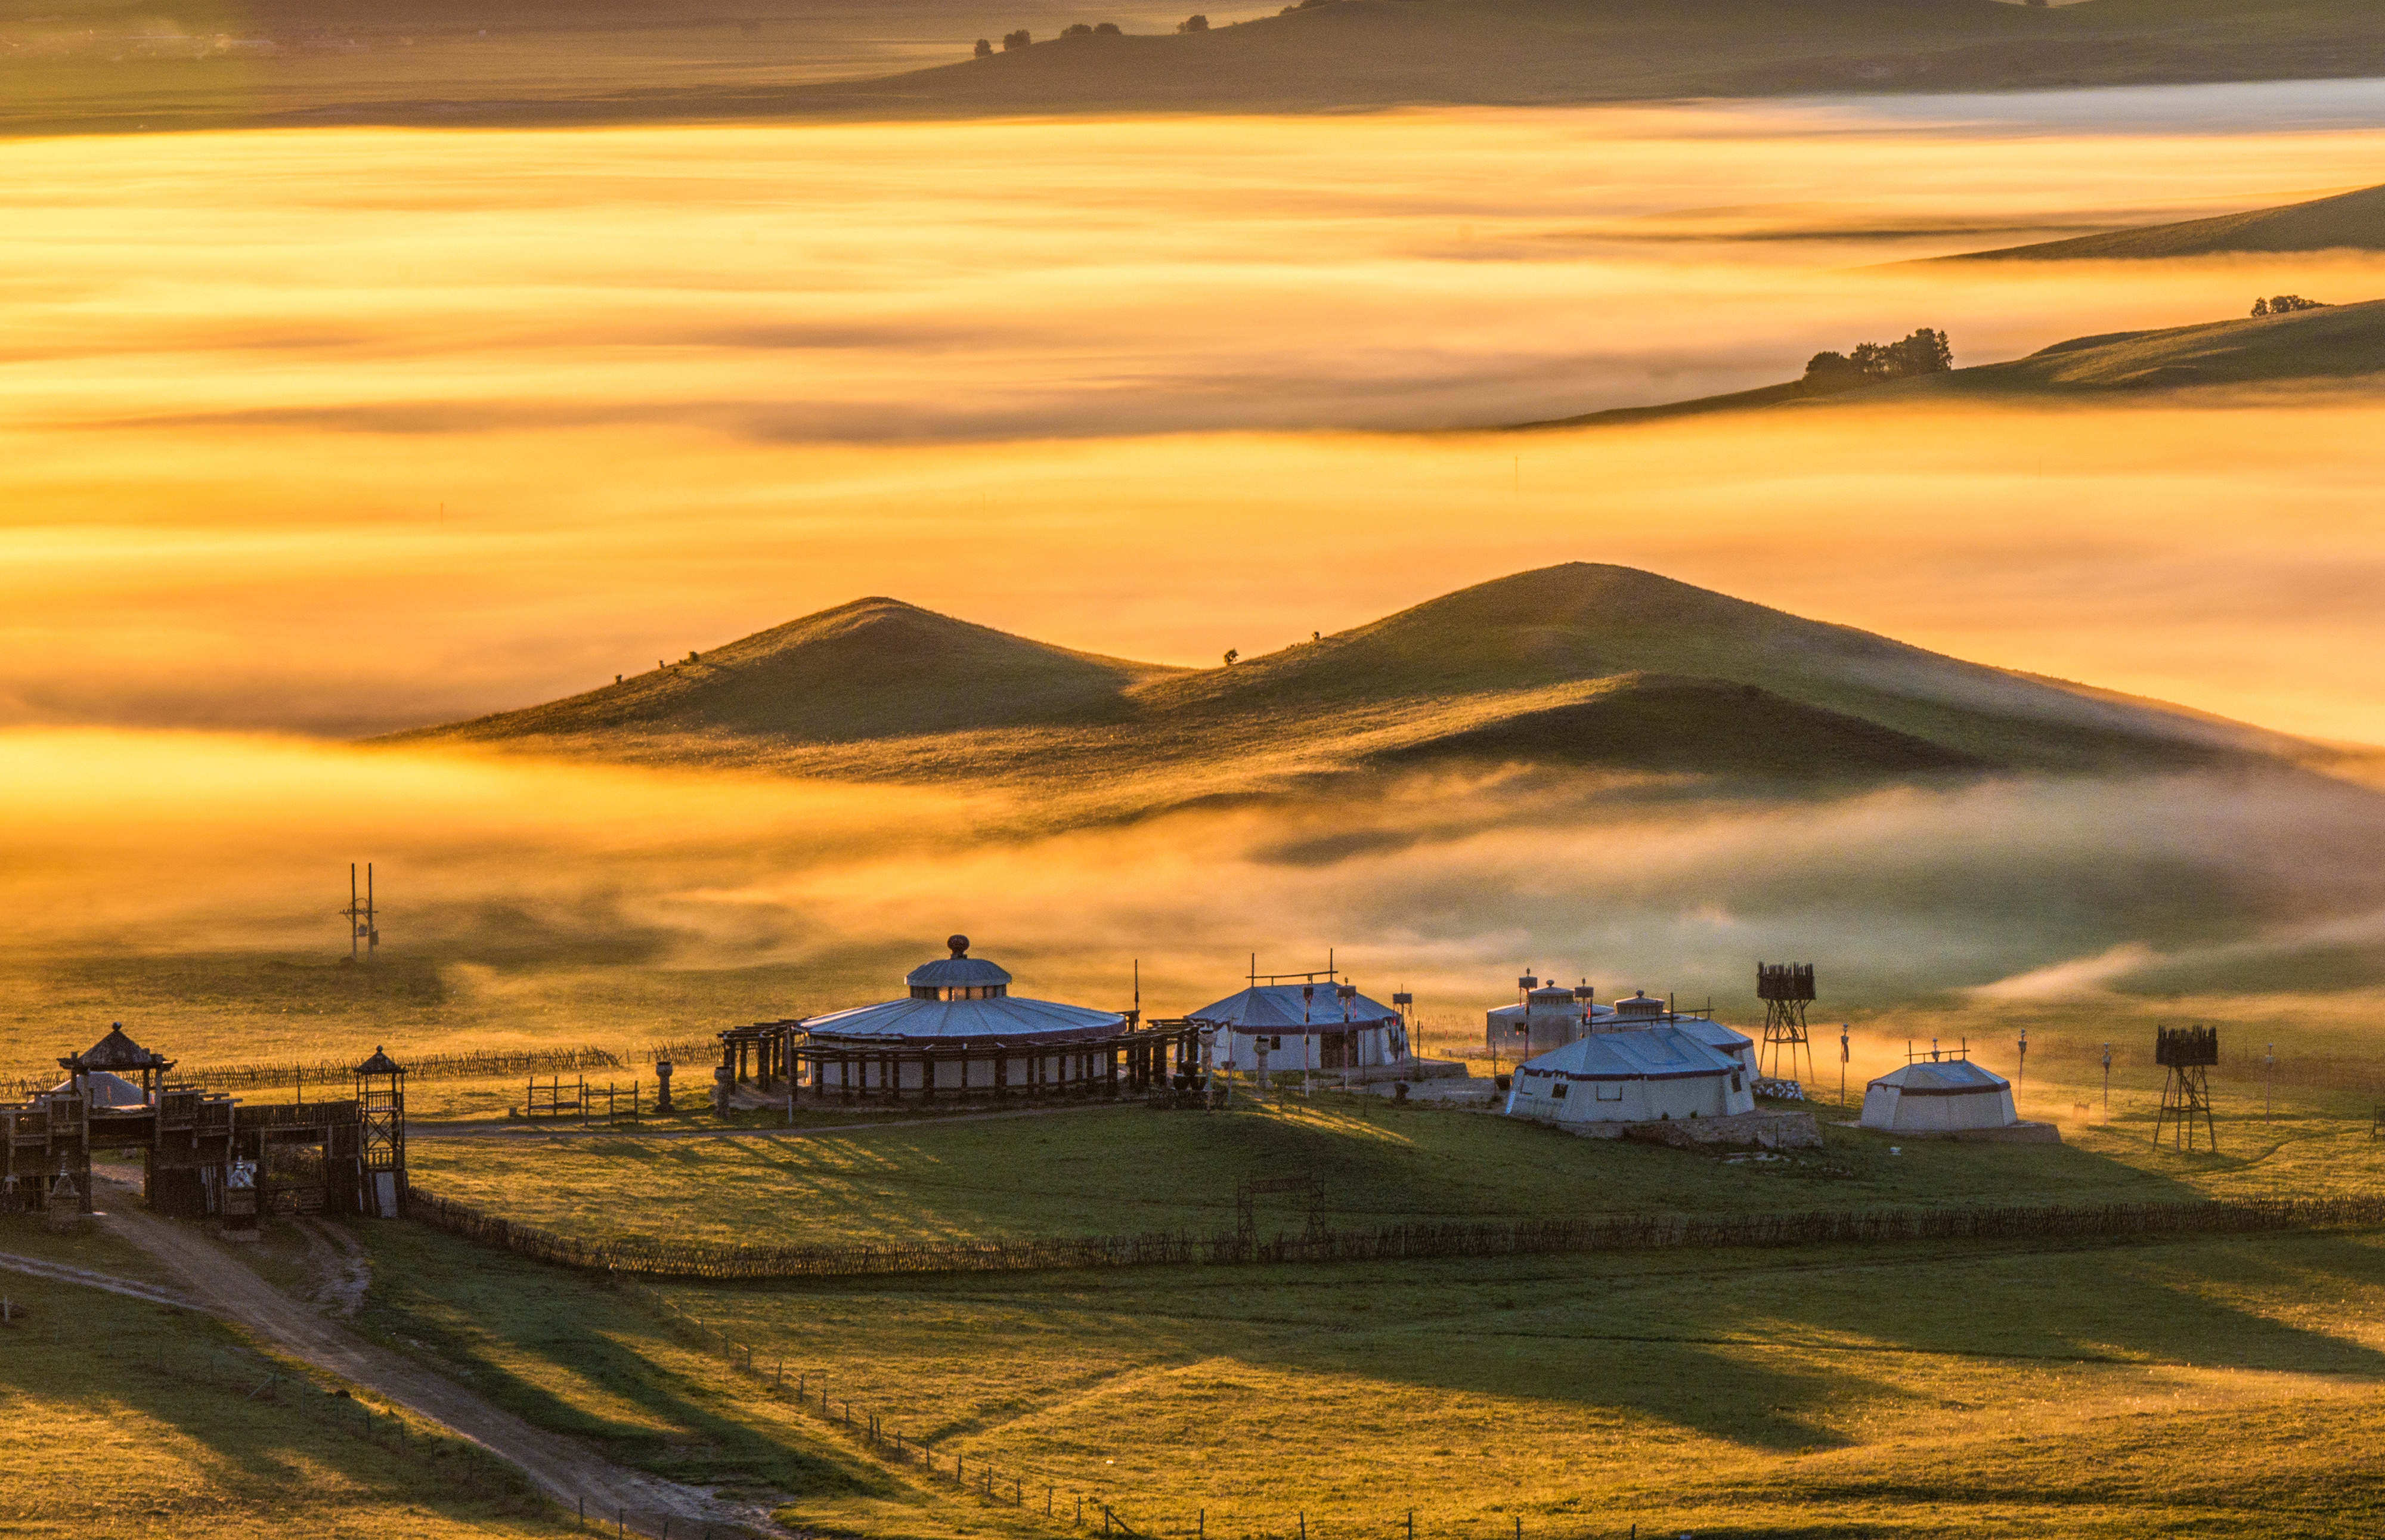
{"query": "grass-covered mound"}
(2348, 221)
(1578, 665)
(2331, 345)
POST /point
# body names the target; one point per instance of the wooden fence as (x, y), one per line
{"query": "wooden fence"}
(342, 1072)
(646, 1257)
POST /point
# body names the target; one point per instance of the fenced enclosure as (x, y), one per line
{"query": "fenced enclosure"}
(333, 1074)
(582, 1102)
(1058, 1499)
(638, 1257)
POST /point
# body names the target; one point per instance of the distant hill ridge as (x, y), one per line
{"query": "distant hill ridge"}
(2334, 345)
(1351, 53)
(1579, 664)
(2347, 221)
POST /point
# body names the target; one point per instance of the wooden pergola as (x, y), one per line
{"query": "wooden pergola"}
(757, 1053)
(1139, 1057)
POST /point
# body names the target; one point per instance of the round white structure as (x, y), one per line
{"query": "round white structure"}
(1660, 1067)
(957, 1030)
(1941, 1096)
(1311, 1024)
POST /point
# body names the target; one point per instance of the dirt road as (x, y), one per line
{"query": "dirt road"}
(565, 1470)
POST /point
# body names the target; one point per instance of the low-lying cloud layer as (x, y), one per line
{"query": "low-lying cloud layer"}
(2187, 885)
(400, 427)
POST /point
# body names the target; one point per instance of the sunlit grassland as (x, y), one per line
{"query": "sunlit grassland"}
(120, 1418)
(1131, 1169)
(2185, 1388)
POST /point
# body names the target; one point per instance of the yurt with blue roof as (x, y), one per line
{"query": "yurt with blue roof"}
(1304, 1021)
(1643, 1063)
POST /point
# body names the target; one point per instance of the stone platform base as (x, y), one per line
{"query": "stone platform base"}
(1757, 1130)
(2019, 1133)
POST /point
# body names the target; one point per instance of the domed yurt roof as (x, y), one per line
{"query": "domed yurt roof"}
(959, 999)
(1658, 1053)
(960, 969)
(1944, 1077)
(1275, 1008)
(1638, 1004)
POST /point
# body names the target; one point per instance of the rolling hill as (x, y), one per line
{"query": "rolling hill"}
(75, 65)
(2334, 346)
(1328, 54)
(1564, 669)
(2348, 221)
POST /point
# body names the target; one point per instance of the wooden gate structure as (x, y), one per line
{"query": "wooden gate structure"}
(203, 1154)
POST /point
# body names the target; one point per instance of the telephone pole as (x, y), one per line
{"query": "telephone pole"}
(363, 930)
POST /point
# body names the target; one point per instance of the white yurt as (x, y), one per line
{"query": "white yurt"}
(1634, 1074)
(959, 1024)
(1938, 1095)
(1314, 1021)
(1544, 1016)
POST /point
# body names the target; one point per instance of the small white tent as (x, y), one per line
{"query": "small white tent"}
(1938, 1095)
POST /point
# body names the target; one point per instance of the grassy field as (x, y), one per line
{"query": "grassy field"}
(1130, 1170)
(2204, 1388)
(122, 1417)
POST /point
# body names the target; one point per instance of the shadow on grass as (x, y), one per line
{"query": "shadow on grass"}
(75, 1353)
(501, 1321)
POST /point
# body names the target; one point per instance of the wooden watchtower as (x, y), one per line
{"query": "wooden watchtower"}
(1786, 988)
(2188, 1053)
(381, 1114)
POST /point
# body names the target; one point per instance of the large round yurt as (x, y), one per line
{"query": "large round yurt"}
(958, 1030)
(1938, 1095)
(1643, 1073)
(1303, 1022)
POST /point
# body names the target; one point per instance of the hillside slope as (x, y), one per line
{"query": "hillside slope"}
(1361, 53)
(77, 66)
(2335, 346)
(2348, 221)
(872, 669)
(1581, 664)
(2338, 343)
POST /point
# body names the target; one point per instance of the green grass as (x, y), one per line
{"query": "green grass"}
(594, 1362)
(124, 1419)
(1128, 1170)
(2192, 1388)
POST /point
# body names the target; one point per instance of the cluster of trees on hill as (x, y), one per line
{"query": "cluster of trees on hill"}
(2286, 304)
(1023, 38)
(1193, 24)
(1925, 352)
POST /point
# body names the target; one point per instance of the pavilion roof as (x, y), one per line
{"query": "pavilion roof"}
(115, 1051)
